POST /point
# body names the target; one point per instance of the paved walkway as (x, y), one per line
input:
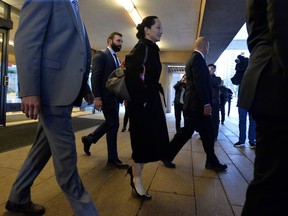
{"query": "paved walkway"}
(188, 190)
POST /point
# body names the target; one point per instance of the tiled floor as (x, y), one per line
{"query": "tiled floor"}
(188, 190)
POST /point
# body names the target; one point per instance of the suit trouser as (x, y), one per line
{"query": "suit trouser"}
(55, 136)
(215, 119)
(229, 107)
(195, 121)
(109, 127)
(178, 109)
(267, 194)
(222, 110)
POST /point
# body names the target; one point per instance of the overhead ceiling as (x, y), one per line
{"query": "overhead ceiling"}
(182, 20)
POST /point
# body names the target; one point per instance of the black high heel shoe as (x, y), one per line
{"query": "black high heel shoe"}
(145, 196)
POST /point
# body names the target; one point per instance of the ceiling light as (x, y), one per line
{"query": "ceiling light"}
(131, 9)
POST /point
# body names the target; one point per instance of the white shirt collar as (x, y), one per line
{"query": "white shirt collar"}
(111, 50)
(200, 53)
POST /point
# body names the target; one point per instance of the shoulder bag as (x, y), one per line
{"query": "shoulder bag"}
(116, 81)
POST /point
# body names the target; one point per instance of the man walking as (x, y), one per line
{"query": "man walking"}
(48, 65)
(104, 62)
(197, 107)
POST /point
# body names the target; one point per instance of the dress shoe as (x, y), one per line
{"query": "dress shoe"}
(87, 145)
(167, 163)
(27, 209)
(117, 164)
(217, 167)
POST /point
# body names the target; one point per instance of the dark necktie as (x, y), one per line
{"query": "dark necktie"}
(116, 60)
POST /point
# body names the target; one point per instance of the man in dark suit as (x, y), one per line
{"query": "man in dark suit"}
(264, 91)
(197, 108)
(104, 62)
(52, 53)
(216, 82)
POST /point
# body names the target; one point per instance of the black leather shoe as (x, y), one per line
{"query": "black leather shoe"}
(217, 167)
(117, 164)
(27, 209)
(87, 145)
(167, 163)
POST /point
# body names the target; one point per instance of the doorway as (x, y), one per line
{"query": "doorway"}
(3, 74)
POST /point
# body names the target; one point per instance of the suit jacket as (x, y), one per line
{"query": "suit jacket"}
(264, 86)
(178, 92)
(54, 61)
(198, 87)
(103, 65)
(215, 89)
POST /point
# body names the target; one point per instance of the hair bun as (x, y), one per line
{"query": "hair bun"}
(138, 27)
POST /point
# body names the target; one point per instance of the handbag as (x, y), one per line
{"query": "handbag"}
(116, 81)
(117, 85)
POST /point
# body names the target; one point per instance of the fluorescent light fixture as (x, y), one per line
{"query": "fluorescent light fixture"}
(127, 4)
(131, 9)
(135, 16)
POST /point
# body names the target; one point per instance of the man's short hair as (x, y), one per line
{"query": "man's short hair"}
(111, 36)
(212, 65)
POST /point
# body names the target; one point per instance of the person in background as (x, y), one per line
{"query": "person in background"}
(126, 117)
(104, 62)
(229, 101)
(264, 92)
(53, 54)
(197, 107)
(225, 96)
(240, 68)
(148, 129)
(216, 82)
(179, 100)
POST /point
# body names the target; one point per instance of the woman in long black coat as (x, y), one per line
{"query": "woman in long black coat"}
(148, 129)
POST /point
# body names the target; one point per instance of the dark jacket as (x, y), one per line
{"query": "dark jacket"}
(265, 80)
(102, 66)
(148, 129)
(225, 94)
(198, 87)
(215, 88)
(178, 90)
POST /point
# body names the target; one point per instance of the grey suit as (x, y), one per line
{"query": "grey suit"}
(53, 59)
(264, 91)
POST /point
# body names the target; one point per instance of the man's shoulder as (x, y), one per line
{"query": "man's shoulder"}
(103, 53)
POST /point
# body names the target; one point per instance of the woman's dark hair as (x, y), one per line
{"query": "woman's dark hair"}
(146, 22)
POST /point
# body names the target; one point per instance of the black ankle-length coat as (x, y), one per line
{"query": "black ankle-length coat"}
(148, 129)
